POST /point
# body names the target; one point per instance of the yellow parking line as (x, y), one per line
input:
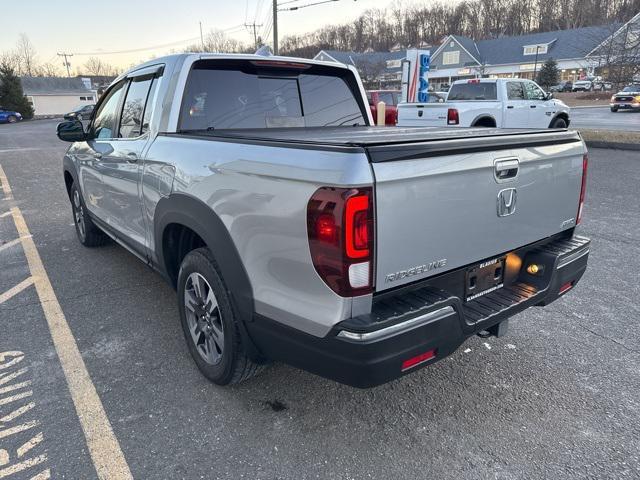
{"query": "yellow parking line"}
(8, 195)
(10, 244)
(19, 467)
(30, 444)
(103, 445)
(12, 292)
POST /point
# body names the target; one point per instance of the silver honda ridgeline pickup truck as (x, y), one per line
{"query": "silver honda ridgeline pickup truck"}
(294, 230)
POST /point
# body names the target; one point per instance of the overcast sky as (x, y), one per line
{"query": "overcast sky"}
(86, 27)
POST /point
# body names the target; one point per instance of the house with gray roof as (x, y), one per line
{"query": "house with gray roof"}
(578, 52)
(54, 96)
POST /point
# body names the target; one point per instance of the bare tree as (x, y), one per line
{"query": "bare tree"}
(96, 67)
(429, 22)
(47, 69)
(218, 41)
(27, 55)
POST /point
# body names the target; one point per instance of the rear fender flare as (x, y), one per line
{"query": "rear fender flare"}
(483, 116)
(193, 213)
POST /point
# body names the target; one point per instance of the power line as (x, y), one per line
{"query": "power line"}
(177, 42)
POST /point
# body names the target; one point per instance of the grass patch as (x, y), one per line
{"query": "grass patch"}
(610, 136)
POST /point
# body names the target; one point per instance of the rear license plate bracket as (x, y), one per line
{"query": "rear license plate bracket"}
(484, 278)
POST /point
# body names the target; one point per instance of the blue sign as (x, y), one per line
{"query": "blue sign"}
(423, 88)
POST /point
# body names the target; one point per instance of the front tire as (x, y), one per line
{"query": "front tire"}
(559, 123)
(209, 322)
(614, 109)
(87, 232)
(12, 119)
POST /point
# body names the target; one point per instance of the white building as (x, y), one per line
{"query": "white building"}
(53, 96)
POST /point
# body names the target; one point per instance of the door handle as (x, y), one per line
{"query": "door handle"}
(506, 169)
(509, 106)
(132, 157)
(532, 106)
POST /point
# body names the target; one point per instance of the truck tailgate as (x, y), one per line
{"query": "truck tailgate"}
(443, 205)
(422, 115)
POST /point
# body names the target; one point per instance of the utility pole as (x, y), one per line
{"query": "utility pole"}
(275, 27)
(66, 62)
(253, 27)
(201, 37)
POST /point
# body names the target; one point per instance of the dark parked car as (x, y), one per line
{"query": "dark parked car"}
(566, 86)
(9, 116)
(81, 112)
(628, 98)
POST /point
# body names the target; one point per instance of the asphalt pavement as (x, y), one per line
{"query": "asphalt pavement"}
(602, 118)
(555, 398)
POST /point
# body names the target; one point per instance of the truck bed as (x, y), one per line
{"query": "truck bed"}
(436, 189)
(433, 140)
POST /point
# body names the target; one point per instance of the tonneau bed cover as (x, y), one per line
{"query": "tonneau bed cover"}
(382, 142)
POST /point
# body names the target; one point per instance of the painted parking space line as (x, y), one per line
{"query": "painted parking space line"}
(102, 443)
(5, 214)
(12, 292)
(10, 244)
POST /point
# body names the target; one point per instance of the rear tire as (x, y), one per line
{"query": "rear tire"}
(87, 232)
(12, 119)
(209, 322)
(614, 109)
(559, 123)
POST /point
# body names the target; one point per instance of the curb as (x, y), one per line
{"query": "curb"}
(613, 145)
(588, 106)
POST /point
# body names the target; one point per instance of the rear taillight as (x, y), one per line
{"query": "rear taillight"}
(452, 116)
(341, 230)
(583, 187)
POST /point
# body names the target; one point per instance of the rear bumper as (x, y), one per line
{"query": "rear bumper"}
(423, 323)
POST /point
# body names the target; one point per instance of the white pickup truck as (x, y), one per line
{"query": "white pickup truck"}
(486, 102)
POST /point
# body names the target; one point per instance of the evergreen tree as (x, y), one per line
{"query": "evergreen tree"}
(11, 94)
(549, 74)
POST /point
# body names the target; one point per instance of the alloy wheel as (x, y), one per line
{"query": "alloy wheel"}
(204, 318)
(78, 214)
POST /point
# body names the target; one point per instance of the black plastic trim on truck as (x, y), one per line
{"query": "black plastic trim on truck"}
(369, 363)
(194, 214)
(412, 151)
(264, 142)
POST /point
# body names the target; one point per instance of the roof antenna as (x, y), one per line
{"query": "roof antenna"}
(264, 51)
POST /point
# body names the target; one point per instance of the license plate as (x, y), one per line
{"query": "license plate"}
(484, 278)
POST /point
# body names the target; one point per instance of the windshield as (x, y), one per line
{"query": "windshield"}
(631, 88)
(241, 95)
(473, 91)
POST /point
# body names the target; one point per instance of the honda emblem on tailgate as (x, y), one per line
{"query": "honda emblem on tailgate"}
(507, 201)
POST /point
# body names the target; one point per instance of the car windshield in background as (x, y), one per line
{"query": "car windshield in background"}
(473, 91)
(239, 96)
(631, 88)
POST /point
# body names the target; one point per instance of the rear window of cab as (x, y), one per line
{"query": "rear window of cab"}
(268, 94)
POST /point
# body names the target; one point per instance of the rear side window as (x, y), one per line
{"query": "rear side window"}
(473, 91)
(240, 95)
(515, 91)
(133, 107)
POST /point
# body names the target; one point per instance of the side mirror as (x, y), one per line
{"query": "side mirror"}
(71, 131)
(549, 96)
